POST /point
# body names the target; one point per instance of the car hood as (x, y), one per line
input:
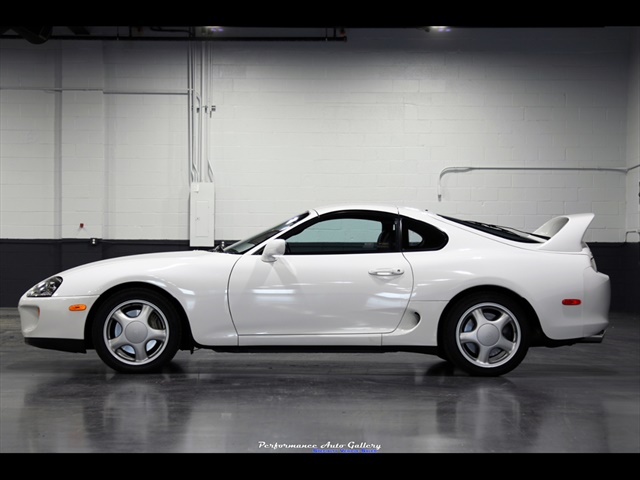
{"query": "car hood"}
(189, 269)
(163, 258)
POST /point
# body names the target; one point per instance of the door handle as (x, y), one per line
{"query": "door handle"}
(386, 272)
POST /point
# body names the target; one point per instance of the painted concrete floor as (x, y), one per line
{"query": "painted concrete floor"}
(579, 399)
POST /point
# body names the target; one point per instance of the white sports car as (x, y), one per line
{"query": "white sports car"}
(355, 278)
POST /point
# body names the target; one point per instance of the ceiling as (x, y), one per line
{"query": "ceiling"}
(304, 29)
(41, 34)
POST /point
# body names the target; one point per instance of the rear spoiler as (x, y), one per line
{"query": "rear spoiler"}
(566, 232)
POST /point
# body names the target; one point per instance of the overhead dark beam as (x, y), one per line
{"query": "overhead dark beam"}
(79, 30)
(34, 34)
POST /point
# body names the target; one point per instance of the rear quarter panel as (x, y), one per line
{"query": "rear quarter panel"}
(544, 279)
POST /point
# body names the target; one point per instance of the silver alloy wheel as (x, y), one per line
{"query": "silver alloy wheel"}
(136, 332)
(488, 335)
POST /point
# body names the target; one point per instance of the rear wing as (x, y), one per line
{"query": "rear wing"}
(566, 232)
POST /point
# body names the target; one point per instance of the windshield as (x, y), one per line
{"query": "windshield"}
(508, 233)
(244, 246)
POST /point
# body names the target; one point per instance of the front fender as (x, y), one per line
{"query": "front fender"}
(196, 280)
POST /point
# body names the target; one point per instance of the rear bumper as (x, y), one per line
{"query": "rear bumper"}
(584, 322)
(597, 338)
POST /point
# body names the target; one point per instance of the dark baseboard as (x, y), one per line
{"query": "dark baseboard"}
(621, 261)
(25, 262)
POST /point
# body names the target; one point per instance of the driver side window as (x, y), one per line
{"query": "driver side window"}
(344, 234)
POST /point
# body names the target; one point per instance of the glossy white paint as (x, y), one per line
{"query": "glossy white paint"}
(320, 294)
(563, 232)
(362, 299)
(52, 318)
(197, 280)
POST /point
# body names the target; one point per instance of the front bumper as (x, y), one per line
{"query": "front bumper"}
(59, 344)
(51, 318)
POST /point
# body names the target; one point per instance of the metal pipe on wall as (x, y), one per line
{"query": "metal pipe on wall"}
(463, 169)
(200, 114)
(199, 80)
(189, 119)
(209, 103)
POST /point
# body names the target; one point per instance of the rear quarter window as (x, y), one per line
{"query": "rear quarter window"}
(420, 236)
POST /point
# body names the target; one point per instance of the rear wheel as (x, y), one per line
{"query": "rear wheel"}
(136, 331)
(486, 334)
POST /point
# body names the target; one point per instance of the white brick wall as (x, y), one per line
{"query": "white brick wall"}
(633, 144)
(303, 124)
(27, 165)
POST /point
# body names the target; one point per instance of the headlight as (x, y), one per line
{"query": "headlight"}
(45, 288)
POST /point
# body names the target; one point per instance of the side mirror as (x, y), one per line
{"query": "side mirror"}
(273, 249)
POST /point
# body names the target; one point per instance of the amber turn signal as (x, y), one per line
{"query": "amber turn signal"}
(78, 307)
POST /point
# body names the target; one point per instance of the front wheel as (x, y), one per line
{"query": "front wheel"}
(136, 331)
(486, 334)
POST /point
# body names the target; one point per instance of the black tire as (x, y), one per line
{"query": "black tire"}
(136, 331)
(486, 334)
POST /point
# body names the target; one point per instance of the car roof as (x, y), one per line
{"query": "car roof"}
(351, 206)
(413, 212)
(387, 208)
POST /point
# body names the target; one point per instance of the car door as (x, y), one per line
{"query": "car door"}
(341, 274)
